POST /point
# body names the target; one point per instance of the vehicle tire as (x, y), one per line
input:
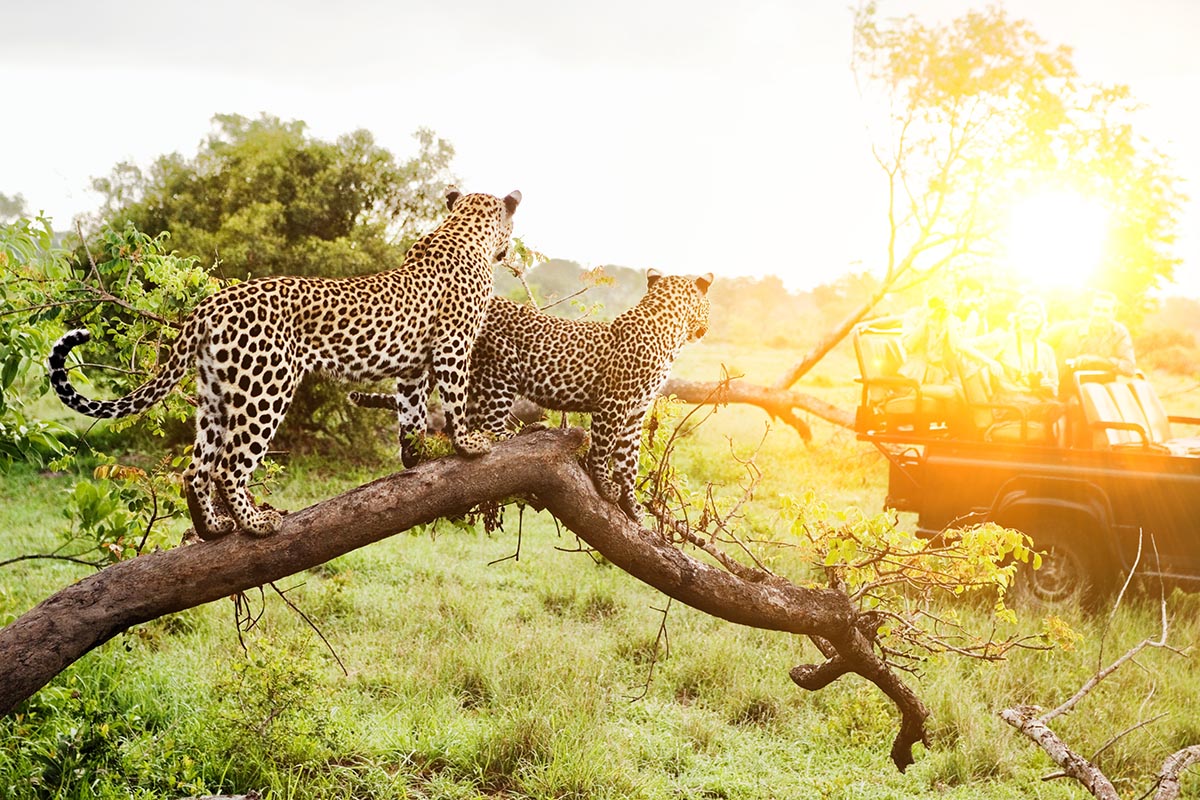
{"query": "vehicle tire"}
(1071, 574)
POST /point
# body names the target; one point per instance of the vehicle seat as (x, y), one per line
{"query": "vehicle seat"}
(1003, 422)
(890, 400)
(1158, 423)
(1104, 418)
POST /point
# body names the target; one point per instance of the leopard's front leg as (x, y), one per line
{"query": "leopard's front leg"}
(450, 371)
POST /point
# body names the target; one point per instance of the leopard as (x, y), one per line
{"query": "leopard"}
(253, 342)
(612, 370)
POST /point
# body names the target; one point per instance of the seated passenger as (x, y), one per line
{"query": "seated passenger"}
(1097, 342)
(940, 343)
(1028, 371)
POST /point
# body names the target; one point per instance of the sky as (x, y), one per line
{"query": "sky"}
(691, 137)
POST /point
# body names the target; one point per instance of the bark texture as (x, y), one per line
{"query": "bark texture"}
(1030, 721)
(543, 466)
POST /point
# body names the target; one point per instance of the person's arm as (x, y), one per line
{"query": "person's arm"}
(1049, 368)
(1122, 359)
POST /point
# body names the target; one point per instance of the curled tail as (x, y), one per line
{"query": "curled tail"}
(136, 401)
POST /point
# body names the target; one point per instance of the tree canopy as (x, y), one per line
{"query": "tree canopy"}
(980, 112)
(263, 197)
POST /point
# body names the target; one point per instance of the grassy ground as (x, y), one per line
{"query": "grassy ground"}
(517, 679)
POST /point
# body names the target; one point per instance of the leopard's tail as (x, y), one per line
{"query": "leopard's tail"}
(140, 398)
(374, 400)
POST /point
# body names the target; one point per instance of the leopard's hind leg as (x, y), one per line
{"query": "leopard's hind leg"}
(209, 522)
(597, 460)
(627, 446)
(491, 396)
(252, 424)
(412, 412)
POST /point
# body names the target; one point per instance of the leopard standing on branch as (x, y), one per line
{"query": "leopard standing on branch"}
(252, 343)
(611, 369)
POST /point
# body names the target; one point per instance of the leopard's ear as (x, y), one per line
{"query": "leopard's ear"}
(652, 276)
(512, 201)
(704, 281)
(452, 195)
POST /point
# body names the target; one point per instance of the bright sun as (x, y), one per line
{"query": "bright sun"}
(1057, 238)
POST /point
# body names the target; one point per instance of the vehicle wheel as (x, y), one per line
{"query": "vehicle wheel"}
(1068, 575)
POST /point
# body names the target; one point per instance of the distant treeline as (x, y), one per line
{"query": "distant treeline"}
(748, 310)
(764, 312)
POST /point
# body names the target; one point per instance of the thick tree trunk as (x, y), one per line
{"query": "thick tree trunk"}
(780, 403)
(542, 465)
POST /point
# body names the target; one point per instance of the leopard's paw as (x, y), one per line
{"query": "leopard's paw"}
(215, 528)
(631, 507)
(264, 523)
(473, 444)
(606, 488)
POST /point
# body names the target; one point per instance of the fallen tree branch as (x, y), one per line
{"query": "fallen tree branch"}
(1026, 719)
(543, 464)
(1033, 722)
(779, 403)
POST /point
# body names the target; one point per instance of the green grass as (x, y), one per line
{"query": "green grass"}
(515, 679)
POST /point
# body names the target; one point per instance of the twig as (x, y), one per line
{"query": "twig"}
(312, 625)
(516, 555)
(661, 638)
(51, 557)
(106, 296)
(1114, 739)
(571, 296)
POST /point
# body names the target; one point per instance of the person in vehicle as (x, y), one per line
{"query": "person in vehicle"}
(940, 343)
(1096, 342)
(1027, 366)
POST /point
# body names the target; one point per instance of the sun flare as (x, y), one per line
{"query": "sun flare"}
(1056, 238)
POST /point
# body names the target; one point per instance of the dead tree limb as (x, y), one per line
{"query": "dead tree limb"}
(542, 465)
(779, 403)
(1028, 721)
(1033, 723)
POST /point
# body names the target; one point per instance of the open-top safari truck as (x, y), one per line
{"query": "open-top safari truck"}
(1100, 481)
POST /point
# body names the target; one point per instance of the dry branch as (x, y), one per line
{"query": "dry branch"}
(1033, 722)
(542, 465)
(780, 403)
(1026, 720)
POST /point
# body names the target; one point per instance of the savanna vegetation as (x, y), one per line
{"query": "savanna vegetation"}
(494, 653)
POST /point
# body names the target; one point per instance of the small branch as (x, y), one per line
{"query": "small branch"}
(1026, 720)
(103, 295)
(1168, 776)
(660, 639)
(571, 296)
(312, 625)
(1105, 672)
(1114, 739)
(50, 557)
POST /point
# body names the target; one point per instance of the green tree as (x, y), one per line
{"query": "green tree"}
(968, 116)
(977, 112)
(263, 197)
(11, 208)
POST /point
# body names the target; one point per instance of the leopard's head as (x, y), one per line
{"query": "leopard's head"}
(490, 217)
(686, 299)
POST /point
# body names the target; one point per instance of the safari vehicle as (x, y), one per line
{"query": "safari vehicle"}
(1100, 482)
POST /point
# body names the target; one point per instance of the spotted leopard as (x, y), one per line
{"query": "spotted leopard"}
(252, 343)
(612, 370)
